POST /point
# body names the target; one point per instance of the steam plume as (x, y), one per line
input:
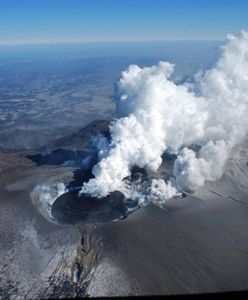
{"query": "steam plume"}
(156, 115)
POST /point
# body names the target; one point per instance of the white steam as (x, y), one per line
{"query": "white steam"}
(156, 115)
(43, 197)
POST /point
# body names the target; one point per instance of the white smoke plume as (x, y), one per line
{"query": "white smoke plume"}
(43, 196)
(156, 115)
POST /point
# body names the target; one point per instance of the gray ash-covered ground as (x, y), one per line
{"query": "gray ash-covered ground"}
(197, 244)
(39, 259)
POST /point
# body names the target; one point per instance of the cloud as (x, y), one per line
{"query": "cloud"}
(157, 115)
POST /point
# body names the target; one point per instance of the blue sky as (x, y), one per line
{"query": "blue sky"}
(55, 21)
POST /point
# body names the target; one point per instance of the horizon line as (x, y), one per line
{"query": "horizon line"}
(68, 42)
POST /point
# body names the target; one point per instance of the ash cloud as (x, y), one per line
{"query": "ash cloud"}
(157, 115)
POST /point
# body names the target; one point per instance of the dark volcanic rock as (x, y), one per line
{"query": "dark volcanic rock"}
(71, 209)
